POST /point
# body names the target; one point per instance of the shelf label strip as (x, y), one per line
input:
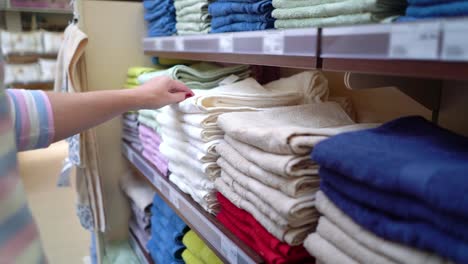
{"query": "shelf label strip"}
(455, 44)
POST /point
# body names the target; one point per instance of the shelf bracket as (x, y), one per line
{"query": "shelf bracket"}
(427, 92)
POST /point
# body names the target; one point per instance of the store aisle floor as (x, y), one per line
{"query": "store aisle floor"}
(54, 208)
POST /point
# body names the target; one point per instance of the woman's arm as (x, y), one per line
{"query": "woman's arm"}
(73, 113)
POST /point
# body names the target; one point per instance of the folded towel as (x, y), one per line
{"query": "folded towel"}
(190, 150)
(140, 192)
(148, 122)
(162, 11)
(429, 2)
(196, 8)
(293, 187)
(292, 236)
(453, 9)
(160, 163)
(351, 19)
(220, 21)
(193, 26)
(195, 17)
(301, 3)
(242, 26)
(253, 234)
(288, 130)
(220, 8)
(396, 205)
(190, 258)
(397, 153)
(151, 5)
(131, 124)
(415, 234)
(134, 72)
(141, 218)
(325, 252)
(150, 134)
(181, 4)
(208, 148)
(197, 247)
(200, 120)
(396, 252)
(130, 116)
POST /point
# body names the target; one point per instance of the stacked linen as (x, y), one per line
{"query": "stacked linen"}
(167, 231)
(323, 13)
(134, 72)
(201, 75)
(192, 17)
(160, 16)
(423, 9)
(130, 130)
(140, 195)
(265, 164)
(252, 233)
(240, 15)
(404, 182)
(197, 251)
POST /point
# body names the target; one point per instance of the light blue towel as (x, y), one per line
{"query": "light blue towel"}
(151, 5)
(166, 10)
(242, 26)
(227, 8)
(453, 9)
(220, 21)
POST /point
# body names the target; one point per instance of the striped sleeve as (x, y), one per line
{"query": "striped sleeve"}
(32, 119)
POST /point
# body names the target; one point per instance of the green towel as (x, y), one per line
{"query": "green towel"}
(137, 71)
(199, 249)
(181, 4)
(191, 32)
(149, 113)
(149, 122)
(193, 26)
(189, 258)
(172, 62)
(341, 8)
(354, 19)
(301, 3)
(119, 253)
(195, 17)
(198, 8)
(132, 81)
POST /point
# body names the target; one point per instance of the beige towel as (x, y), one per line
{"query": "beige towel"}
(397, 252)
(292, 236)
(208, 147)
(325, 252)
(139, 191)
(282, 165)
(293, 187)
(294, 210)
(206, 199)
(289, 130)
(190, 150)
(194, 178)
(348, 245)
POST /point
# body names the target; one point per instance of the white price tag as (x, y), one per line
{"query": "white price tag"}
(455, 45)
(415, 41)
(157, 44)
(179, 44)
(174, 198)
(157, 182)
(229, 250)
(226, 43)
(273, 43)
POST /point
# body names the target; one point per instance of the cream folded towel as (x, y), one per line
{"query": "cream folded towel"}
(348, 245)
(292, 236)
(206, 199)
(325, 252)
(397, 252)
(194, 178)
(208, 147)
(283, 165)
(197, 120)
(294, 210)
(289, 130)
(198, 133)
(293, 187)
(190, 150)
(139, 191)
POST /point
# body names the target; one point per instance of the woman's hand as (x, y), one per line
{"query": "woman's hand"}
(159, 92)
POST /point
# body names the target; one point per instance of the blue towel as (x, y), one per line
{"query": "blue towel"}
(152, 5)
(220, 21)
(243, 26)
(167, 10)
(431, 2)
(227, 8)
(453, 9)
(409, 156)
(412, 233)
(395, 205)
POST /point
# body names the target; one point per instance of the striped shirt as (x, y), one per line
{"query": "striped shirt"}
(26, 122)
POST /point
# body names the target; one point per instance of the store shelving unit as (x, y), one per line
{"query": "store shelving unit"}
(137, 247)
(228, 247)
(37, 10)
(27, 57)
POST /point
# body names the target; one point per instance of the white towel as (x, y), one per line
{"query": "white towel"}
(194, 178)
(289, 130)
(198, 133)
(140, 192)
(190, 150)
(208, 147)
(282, 165)
(397, 252)
(199, 120)
(348, 245)
(293, 187)
(294, 210)
(325, 252)
(292, 236)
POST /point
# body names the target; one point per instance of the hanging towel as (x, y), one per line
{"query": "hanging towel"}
(196, 246)
(411, 233)
(138, 191)
(293, 187)
(452, 9)
(292, 236)
(325, 252)
(283, 165)
(397, 252)
(225, 8)
(288, 130)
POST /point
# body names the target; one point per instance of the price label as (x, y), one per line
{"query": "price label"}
(226, 43)
(179, 44)
(229, 250)
(173, 197)
(415, 41)
(157, 44)
(455, 44)
(157, 182)
(273, 43)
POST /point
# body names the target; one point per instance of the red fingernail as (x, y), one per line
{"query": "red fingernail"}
(188, 95)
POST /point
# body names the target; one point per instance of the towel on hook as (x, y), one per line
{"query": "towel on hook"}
(293, 187)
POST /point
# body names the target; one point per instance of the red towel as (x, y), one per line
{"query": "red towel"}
(252, 233)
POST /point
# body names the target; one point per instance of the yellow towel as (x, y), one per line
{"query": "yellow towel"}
(199, 249)
(189, 258)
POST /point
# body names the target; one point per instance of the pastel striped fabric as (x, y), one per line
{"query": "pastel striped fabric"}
(26, 122)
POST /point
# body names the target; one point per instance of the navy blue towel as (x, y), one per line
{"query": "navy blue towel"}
(431, 2)
(242, 26)
(217, 22)
(453, 9)
(408, 156)
(227, 8)
(412, 233)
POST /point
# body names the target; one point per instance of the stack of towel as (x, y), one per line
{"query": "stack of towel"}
(130, 130)
(201, 75)
(265, 164)
(140, 195)
(422, 9)
(240, 15)
(134, 72)
(197, 251)
(253, 234)
(322, 13)
(167, 231)
(192, 17)
(150, 138)
(160, 16)
(405, 183)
